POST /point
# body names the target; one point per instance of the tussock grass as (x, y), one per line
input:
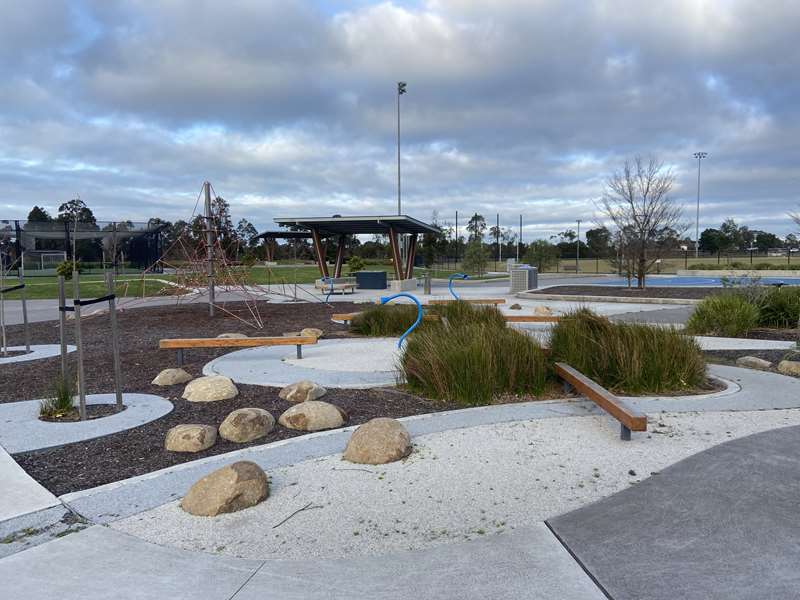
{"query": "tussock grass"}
(60, 403)
(463, 313)
(780, 307)
(387, 320)
(628, 358)
(729, 315)
(472, 363)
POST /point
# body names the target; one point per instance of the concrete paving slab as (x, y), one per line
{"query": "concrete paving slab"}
(19, 492)
(723, 343)
(528, 564)
(37, 352)
(21, 430)
(98, 563)
(723, 523)
(334, 363)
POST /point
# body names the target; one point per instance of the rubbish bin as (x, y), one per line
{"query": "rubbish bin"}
(371, 280)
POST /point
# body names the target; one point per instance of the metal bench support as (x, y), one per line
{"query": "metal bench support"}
(299, 351)
(179, 356)
(624, 433)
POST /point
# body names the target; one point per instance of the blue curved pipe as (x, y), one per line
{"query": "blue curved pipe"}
(450, 282)
(328, 280)
(385, 299)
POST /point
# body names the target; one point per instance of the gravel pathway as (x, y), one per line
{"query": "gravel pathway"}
(457, 485)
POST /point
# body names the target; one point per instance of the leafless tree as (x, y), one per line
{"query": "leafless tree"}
(795, 216)
(637, 201)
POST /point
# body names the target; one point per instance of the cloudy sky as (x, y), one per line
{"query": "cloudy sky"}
(288, 107)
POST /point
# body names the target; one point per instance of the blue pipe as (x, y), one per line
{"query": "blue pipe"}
(328, 280)
(385, 299)
(450, 282)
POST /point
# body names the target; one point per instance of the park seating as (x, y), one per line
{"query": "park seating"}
(341, 285)
(630, 419)
(180, 344)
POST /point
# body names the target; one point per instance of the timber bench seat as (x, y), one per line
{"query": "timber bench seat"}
(630, 419)
(181, 344)
(344, 288)
(494, 301)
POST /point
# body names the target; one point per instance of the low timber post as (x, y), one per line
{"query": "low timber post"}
(112, 313)
(79, 344)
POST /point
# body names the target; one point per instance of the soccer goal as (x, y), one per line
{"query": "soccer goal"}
(42, 260)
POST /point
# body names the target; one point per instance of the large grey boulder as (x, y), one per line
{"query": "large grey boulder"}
(171, 377)
(789, 367)
(210, 389)
(190, 438)
(378, 441)
(312, 416)
(246, 425)
(302, 391)
(543, 311)
(312, 332)
(237, 486)
(753, 362)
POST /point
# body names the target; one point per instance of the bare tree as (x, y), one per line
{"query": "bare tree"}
(795, 216)
(637, 202)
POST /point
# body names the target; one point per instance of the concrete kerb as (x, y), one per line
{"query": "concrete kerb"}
(121, 499)
(614, 299)
(23, 431)
(38, 351)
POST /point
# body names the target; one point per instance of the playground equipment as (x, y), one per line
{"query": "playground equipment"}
(450, 282)
(77, 303)
(386, 299)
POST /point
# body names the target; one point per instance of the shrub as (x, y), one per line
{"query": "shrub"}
(475, 258)
(66, 267)
(462, 313)
(355, 264)
(730, 315)
(780, 307)
(60, 403)
(388, 320)
(472, 363)
(628, 357)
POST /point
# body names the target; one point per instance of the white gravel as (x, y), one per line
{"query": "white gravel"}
(456, 485)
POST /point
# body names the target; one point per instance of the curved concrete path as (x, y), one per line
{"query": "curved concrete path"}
(37, 352)
(724, 523)
(22, 429)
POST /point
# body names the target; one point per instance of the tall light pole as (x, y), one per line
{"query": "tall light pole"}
(401, 89)
(699, 156)
(578, 249)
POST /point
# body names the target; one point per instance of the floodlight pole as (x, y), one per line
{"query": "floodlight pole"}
(519, 243)
(209, 248)
(699, 156)
(401, 89)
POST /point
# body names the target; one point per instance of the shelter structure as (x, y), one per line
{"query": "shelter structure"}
(337, 228)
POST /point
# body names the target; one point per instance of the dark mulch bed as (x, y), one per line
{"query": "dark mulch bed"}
(688, 293)
(137, 451)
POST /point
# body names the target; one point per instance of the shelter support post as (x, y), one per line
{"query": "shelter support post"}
(319, 252)
(410, 256)
(337, 271)
(395, 248)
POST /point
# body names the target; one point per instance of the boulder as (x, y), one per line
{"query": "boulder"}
(291, 334)
(237, 486)
(190, 438)
(232, 336)
(543, 311)
(246, 424)
(789, 367)
(210, 389)
(302, 391)
(171, 377)
(311, 331)
(753, 362)
(378, 441)
(515, 306)
(312, 416)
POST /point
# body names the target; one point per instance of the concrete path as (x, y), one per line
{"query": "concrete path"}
(99, 563)
(37, 351)
(20, 494)
(21, 429)
(723, 523)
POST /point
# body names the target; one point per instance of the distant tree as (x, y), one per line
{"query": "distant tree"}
(432, 242)
(476, 226)
(599, 241)
(39, 215)
(637, 202)
(765, 240)
(712, 241)
(542, 254)
(475, 258)
(246, 232)
(76, 210)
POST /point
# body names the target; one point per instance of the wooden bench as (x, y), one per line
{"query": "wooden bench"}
(630, 419)
(347, 317)
(494, 301)
(180, 344)
(532, 318)
(569, 268)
